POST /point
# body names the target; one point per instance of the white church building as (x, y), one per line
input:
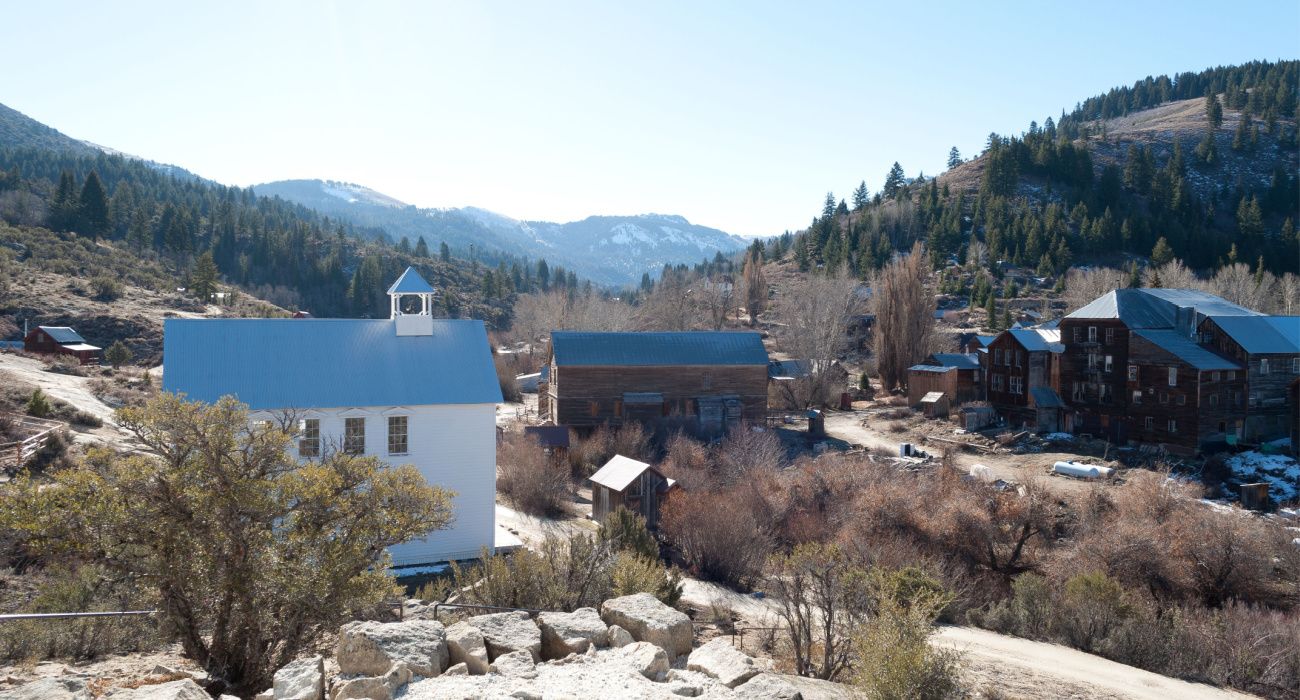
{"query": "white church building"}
(411, 389)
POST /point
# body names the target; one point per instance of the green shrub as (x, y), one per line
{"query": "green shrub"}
(626, 531)
(898, 661)
(39, 404)
(105, 288)
(118, 354)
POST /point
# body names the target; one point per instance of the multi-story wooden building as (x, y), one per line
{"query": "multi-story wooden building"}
(701, 380)
(1022, 369)
(1180, 395)
(1269, 347)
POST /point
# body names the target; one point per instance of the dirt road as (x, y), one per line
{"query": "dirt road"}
(68, 389)
(1022, 668)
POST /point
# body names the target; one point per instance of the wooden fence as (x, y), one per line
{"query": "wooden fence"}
(13, 455)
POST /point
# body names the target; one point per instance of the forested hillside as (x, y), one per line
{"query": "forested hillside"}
(1201, 166)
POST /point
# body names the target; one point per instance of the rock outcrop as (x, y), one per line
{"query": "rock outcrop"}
(508, 631)
(647, 660)
(571, 633)
(649, 620)
(371, 648)
(303, 679)
(49, 689)
(382, 687)
(769, 686)
(184, 689)
(466, 645)
(515, 664)
(719, 659)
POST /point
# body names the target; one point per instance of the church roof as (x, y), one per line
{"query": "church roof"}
(328, 363)
(410, 283)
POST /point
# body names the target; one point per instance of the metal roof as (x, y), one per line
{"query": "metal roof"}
(79, 347)
(932, 397)
(548, 435)
(789, 368)
(619, 472)
(1046, 397)
(1037, 339)
(62, 334)
(1263, 335)
(1157, 308)
(957, 359)
(1184, 349)
(583, 348)
(410, 283)
(328, 363)
(930, 368)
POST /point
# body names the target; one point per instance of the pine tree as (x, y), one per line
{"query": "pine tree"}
(204, 278)
(894, 181)
(1250, 219)
(1213, 109)
(861, 197)
(543, 275)
(1161, 253)
(954, 158)
(828, 206)
(1155, 279)
(64, 205)
(444, 252)
(118, 354)
(92, 207)
(421, 248)
(404, 245)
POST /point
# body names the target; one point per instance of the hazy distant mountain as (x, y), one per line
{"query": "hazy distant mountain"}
(607, 249)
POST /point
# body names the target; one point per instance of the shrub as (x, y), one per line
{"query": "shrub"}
(252, 555)
(1093, 608)
(530, 479)
(898, 659)
(105, 288)
(745, 451)
(633, 573)
(626, 531)
(118, 354)
(588, 454)
(719, 536)
(39, 404)
(506, 378)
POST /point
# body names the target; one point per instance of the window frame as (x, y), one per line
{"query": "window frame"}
(1092, 334)
(1132, 372)
(354, 443)
(1173, 376)
(405, 435)
(309, 437)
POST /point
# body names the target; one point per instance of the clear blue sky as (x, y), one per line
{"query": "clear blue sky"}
(738, 115)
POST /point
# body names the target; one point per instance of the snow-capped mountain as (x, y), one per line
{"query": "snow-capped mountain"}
(606, 249)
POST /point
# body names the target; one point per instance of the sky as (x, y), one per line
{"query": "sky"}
(736, 115)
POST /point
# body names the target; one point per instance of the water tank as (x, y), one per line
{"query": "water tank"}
(1081, 470)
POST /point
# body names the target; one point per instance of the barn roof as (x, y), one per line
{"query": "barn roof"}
(619, 472)
(1184, 349)
(1037, 339)
(583, 348)
(937, 369)
(410, 283)
(328, 363)
(1263, 334)
(62, 334)
(957, 359)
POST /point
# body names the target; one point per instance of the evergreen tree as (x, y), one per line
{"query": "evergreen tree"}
(421, 248)
(861, 197)
(204, 278)
(543, 275)
(444, 252)
(1207, 151)
(92, 207)
(894, 181)
(1213, 110)
(118, 354)
(1161, 253)
(64, 205)
(404, 245)
(1250, 219)
(828, 206)
(954, 158)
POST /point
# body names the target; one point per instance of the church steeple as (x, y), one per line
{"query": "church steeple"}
(419, 322)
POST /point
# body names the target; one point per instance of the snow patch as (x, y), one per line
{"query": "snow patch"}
(1282, 473)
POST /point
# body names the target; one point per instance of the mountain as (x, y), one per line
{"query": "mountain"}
(612, 250)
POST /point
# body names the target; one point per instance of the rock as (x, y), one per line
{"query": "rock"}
(721, 660)
(646, 659)
(370, 648)
(619, 637)
(184, 689)
(769, 686)
(569, 633)
(374, 687)
(516, 664)
(265, 695)
(161, 670)
(684, 689)
(466, 646)
(228, 697)
(649, 620)
(456, 670)
(303, 679)
(49, 689)
(509, 631)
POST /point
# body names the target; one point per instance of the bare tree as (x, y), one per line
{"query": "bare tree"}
(1286, 298)
(717, 299)
(671, 306)
(755, 285)
(1239, 285)
(537, 314)
(904, 307)
(815, 313)
(1172, 275)
(1082, 286)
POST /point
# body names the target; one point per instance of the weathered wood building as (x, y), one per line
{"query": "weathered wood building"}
(1269, 348)
(1022, 368)
(1180, 395)
(60, 340)
(706, 381)
(634, 485)
(956, 375)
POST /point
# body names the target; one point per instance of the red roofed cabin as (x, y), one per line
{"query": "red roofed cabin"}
(60, 340)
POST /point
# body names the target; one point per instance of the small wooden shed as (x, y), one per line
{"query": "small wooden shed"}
(634, 485)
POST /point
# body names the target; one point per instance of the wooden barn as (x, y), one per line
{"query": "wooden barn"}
(956, 375)
(60, 340)
(705, 381)
(634, 485)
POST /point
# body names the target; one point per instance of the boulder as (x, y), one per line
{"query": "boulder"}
(374, 687)
(303, 679)
(466, 646)
(719, 659)
(646, 659)
(619, 637)
(456, 670)
(571, 633)
(769, 686)
(184, 689)
(265, 695)
(509, 631)
(649, 620)
(49, 689)
(515, 664)
(371, 648)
